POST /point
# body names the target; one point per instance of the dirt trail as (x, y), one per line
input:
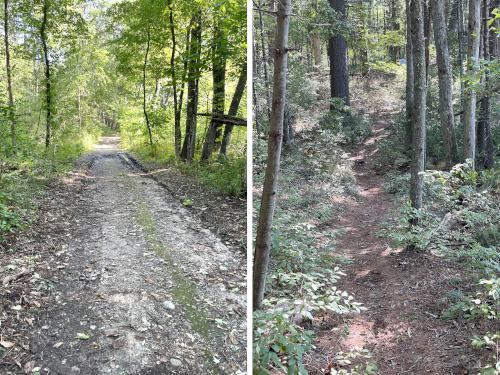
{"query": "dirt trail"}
(401, 292)
(141, 286)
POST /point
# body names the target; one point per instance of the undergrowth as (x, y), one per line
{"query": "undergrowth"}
(226, 176)
(25, 173)
(459, 221)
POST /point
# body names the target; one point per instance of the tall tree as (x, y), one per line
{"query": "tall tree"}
(410, 79)
(219, 85)
(48, 93)
(144, 98)
(269, 192)
(419, 102)
(337, 52)
(173, 71)
(445, 81)
(474, 28)
(8, 70)
(193, 77)
(233, 109)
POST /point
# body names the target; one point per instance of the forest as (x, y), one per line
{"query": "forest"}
(122, 186)
(376, 182)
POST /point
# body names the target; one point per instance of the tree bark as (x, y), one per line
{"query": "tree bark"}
(316, 48)
(410, 78)
(445, 82)
(233, 110)
(189, 144)
(144, 102)
(418, 123)
(337, 52)
(474, 29)
(219, 92)
(485, 140)
(48, 93)
(173, 72)
(269, 192)
(11, 111)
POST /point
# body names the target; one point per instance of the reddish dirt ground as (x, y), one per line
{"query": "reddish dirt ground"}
(404, 293)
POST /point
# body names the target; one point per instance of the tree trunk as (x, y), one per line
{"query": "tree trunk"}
(418, 123)
(445, 82)
(177, 110)
(144, 103)
(189, 144)
(474, 29)
(453, 20)
(219, 92)
(264, 62)
(316, 48)
(410, 78)
(233, 110)
(427, 34)
(269, 192)
(48, 94)
(337, 52)
(460, 56)
(485, 141)
(8, 70)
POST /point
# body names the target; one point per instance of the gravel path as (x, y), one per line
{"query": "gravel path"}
(144, 287)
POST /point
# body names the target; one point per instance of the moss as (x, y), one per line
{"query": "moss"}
(184, 291)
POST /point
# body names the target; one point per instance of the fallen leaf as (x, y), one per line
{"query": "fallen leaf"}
(82, 336)
(28, 367)
(16, 307)
(58, 344)
(7, 344)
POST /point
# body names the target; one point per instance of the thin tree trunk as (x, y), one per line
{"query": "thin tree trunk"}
(445, 81)
(418, 123)
(460, 56)
(316, 48)
(233, 110)
(269, 192)
(474, 29)
(177, 112)
(219, 92)
(144, 103)
(337, 51)
(9, 77)
(485, 141)
(264, 62)
(48, 94)
(410, 78)
(427, 34)
(189, 144)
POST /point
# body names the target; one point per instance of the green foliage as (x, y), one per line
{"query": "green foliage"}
(348, 126)
(9, 218)
(279, 343)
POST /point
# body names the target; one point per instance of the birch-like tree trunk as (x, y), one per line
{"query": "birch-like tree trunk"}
(474, 30)
(269, 192)
(419, 102)
(445, 81)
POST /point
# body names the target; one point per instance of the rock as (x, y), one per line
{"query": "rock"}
(176, 362)
(168, 305)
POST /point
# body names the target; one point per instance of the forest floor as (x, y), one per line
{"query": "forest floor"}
(403, 292)
(117, 277)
